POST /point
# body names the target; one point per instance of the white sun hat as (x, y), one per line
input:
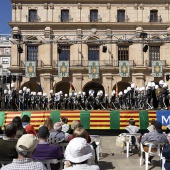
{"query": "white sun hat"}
(78, 150)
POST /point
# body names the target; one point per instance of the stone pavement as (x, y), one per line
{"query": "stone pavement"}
(113, 158)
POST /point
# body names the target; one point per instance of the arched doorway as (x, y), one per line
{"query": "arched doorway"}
(64, 87)
(32, 86)
(121, 86)
(94, 86)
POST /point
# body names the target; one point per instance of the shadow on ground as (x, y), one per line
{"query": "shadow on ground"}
(106, 165)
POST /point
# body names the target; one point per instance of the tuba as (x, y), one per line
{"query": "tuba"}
(158, 92)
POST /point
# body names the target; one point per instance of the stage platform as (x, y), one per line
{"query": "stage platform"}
(93, 119)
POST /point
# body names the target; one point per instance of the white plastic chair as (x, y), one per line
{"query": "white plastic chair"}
(52, 161)
(163, 163)
(150, 146)
(3, 163)
(98, 140)
(63, 146)
(128, 141)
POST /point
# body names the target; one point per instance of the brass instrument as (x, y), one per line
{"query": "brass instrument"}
(158, 92)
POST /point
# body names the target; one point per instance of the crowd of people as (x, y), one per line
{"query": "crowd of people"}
(23, 148)
(150, 97)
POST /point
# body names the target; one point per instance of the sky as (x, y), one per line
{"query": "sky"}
(5, 16)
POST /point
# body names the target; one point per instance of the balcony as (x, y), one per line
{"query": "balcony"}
(122, 19)
(102, 63)
(37, 19)
(39, 63)
(148, 63)
(155, 18)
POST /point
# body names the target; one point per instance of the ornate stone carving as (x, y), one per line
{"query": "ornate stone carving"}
(51, 6)
(19, 6)
(45, 6)
(14, 6)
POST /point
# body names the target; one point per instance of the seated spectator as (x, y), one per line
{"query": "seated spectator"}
(78, 156)
(75, 124)
(25, 147)
(132, 128)
(150, 128)
(65, 127)
(44, 150)
(8, 143)
(21, 130)
(28, 127)
(156, 135)
(58, 136)
(49, 124)
(166, 154)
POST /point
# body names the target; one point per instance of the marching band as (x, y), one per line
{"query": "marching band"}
(133, 98)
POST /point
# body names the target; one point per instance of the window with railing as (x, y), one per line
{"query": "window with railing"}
(123, 53)
(93, 15)
(93, 52)
(153, 15)
(64, 53)
(64, 15)
(121, 15)
(33, 17)
(5, 60)
(154, 53)
(32, 53)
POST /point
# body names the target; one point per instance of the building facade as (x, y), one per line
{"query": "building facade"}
(96, 30)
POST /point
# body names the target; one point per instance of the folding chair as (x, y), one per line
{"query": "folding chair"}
(52, 161)
(128, 141)
(150, 146)
(63, 146)
(3, 163)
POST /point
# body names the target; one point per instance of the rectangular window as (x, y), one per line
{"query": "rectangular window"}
(6, 50)
(121, 15)
(32, 53)
(64, 53)
(33, 15)
(123, 52)
(93, 52)
(64, 15)
(5, 60)
(154, 16)
(93, 15)
(154, 53)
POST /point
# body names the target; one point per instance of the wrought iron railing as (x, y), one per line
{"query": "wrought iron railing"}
(38, 62)
(148, 63)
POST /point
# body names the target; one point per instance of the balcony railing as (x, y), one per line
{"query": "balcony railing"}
(37, 19)
(148, 63)
(102, 63)
(122, 19)
(155, 18)
(39, 63)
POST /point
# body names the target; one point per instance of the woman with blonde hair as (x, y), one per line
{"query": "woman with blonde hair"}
(49, 124)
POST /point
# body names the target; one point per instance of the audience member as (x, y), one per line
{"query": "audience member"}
(44, 150)
(132, 128)
(77, 156)
(166, 154)
(21, 130)
(58, 136)
(75, 124)
(156, 135)
(8, 143)
(25, 147)
(150, 128)
(28, 127)
(49, 124)
(65, 126)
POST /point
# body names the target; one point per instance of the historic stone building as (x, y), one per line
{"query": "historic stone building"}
(90, 30)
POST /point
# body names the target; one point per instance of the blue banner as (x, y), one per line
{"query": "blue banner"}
(163, 116)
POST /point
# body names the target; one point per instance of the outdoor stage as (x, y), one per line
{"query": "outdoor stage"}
(92, 119)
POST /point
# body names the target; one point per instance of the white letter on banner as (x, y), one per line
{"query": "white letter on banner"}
(165, 120)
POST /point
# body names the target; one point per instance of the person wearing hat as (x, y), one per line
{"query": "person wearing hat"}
(44, 150)
(25, 147)
(156, 135)
(78, 156)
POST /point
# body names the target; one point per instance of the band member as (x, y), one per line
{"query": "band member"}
(5, 99)
(90, 100)
(45, 101)
(70, 101)
(57, 100)
(148, 96)
(84, 100)
(65, 100)
(79, 100)
(21, 100)
(9, 100)
(51, 100)
(106, 101)
(28, 99)
(164, 97)
(13, 97)
(121, 99)
(132, 96)
(124, 97)
(25, 97)
(113, 99)
(61, 105)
